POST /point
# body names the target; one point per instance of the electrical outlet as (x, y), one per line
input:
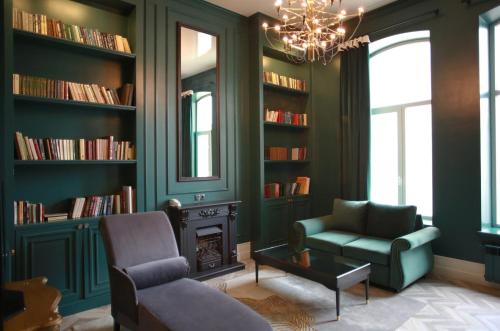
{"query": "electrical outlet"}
(199, 197)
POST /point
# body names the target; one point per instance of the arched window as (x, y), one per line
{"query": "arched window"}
(401, 121)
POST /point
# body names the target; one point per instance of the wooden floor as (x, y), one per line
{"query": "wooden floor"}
(444, 306)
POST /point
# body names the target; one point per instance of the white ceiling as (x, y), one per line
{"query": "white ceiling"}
(250, 7)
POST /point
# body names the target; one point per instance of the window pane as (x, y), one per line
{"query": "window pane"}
(401, 75)
(382, 43)
(384, 174)
(497, 57)
(203, 155)
(204, 111)
(497, 161)
(418, 163)
(484, 65)
(485, 162)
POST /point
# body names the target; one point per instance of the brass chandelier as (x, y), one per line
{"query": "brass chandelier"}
(310, 30)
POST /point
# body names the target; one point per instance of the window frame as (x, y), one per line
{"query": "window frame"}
(400, 110)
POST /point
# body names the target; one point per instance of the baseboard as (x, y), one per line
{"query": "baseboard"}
(448, 268)
(243, 251)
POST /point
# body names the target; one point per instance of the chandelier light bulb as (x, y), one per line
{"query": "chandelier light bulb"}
(311, 30)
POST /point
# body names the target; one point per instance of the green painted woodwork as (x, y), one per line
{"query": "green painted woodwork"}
(55, 253)
(96, 263)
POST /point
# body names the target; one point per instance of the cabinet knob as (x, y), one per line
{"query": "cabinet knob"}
(79, 226)
(86, 226)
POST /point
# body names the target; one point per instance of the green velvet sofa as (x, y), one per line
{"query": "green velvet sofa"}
(391, 238)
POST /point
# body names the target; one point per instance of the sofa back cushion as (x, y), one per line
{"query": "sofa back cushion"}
(390, 222)
(349, 216)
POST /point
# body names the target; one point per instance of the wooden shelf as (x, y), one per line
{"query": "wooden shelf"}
(297, 196)
(74, 46)
(285, 161)
(284, 89)
(72, 162)
(72, 103)
(285, 125)
(61, 222)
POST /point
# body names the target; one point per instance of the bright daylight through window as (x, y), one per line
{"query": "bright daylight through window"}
(401, 121)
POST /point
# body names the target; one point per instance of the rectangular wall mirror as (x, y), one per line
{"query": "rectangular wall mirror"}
(198, 104)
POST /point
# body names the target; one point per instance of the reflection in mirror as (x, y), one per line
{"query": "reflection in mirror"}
(198, 108)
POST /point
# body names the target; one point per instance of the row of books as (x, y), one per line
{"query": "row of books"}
(281, 80)
(26, 212)
(276, 153)
(41, 24)
(64, 90)
(72, 149)
(285, 117)
(283, 153)
(277, 190)
(93, 206)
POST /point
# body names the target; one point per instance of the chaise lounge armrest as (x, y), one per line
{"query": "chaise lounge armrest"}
(123, 294)
(309, 227)
(415, 239)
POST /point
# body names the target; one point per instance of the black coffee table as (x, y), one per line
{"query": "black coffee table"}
(335, 272)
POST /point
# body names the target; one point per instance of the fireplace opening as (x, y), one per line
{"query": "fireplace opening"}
(209, 248)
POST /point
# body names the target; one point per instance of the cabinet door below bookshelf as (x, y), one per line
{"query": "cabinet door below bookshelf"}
(276, 222)
(96, 269)
(55, 253)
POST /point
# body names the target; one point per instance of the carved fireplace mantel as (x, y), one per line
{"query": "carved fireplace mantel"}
(206, 234)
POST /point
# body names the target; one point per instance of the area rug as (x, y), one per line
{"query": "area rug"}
(291, 303)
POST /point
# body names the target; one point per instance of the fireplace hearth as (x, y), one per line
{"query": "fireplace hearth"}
(206, 236)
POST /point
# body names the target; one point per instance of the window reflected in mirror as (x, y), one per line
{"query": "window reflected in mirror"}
(198, 112)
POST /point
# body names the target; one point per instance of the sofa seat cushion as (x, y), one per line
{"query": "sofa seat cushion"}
(186, 305)
(372, 250)
(330, 241)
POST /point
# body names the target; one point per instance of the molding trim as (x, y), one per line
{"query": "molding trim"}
(451, 269)
(243, 251)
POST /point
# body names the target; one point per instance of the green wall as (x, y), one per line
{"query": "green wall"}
(455, 99)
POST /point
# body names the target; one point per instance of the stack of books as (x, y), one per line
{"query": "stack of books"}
(26, 212)
(41, 24)
(64, 90)
(72, 149)
(276, 190)
(299, 153)
(280, 116)
(272, 190)
(284, 81)
(94, 206)
(276, 153)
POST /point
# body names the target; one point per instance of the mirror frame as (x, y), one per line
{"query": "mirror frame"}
(180, 177)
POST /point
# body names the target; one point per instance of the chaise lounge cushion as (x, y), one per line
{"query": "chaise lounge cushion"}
(185, 304)
(390, 222)
(330, 241)
(372, 250)
(349, 216)
(158, 272)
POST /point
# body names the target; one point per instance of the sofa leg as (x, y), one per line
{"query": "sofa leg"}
(116, 326)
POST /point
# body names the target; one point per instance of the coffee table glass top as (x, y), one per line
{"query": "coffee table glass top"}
(317, 261)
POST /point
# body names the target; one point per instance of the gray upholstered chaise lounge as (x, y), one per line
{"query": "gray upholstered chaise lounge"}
(149, 290)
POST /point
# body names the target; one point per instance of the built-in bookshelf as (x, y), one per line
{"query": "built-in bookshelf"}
(282, 138)
(76, 131)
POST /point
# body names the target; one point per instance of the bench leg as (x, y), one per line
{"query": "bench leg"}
(337, 297)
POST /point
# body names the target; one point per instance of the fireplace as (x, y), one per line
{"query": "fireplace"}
(209, 248)
(206, 236)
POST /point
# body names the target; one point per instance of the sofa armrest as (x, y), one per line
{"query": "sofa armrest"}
(308, 227)
(415, 239)
(123, 294)
(158, 272)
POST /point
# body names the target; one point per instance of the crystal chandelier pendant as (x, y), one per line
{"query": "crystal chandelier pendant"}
(310, 30)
